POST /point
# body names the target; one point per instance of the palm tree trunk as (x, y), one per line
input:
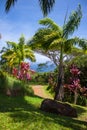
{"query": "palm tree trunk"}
(59, 92)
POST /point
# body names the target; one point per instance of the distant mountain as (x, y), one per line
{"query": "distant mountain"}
(43, 67)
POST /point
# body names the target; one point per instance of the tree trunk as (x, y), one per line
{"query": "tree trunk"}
(75, 97)
(59, 92)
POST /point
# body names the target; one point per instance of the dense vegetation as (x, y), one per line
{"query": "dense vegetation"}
(52, 37)
(19, 107)
(11, 86)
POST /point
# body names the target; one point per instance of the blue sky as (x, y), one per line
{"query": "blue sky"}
(24, 16)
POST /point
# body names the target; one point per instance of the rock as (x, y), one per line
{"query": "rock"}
(52, 106)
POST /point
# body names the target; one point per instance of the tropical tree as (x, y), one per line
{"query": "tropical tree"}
(54, 37)
(15, 53)
(45, 5)
(54, 55)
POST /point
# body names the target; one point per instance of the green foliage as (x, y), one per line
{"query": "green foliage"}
(13, 87)
(69, 97)
(72, 24)
(15, 53)
(82, 100)
(52, 82)
(81, 62)
(55, 38)
(50, 24)
(40, 78)
(3, 81)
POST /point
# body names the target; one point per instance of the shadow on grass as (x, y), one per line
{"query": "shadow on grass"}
(12, 104)
(42, 119)
(21, 110)
(80, 109)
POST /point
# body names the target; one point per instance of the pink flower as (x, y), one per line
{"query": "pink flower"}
(14, 72)
(28, 77)
(24, 72)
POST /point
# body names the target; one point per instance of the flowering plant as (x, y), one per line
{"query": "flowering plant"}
(24, 72)
(74, 83)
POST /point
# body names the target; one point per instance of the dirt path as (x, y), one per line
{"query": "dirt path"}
(39, 91)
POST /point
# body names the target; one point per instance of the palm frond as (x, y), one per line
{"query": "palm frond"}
(83, 43)
(12, 45)
(38, 38)
(57, 43)
(4, 49)
(8, 4)
(43, 38)
(53, 35)
(21, 40)
(77, 51)
(75, 42)
(73, 22)
(68, 44)
(46, 6)
(30, 55)
(50, 24)
(8, 53)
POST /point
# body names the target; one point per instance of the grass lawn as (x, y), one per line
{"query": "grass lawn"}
(22, 113)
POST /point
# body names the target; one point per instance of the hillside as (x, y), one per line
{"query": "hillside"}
(43, 67)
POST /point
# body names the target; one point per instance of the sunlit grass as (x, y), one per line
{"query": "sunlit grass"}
(23, 113)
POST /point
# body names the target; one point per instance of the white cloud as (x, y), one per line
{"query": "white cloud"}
(41, 58)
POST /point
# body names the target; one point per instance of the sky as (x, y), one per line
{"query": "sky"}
(24, 16)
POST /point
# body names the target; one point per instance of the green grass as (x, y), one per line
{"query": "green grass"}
(23, 113)
(47, 92)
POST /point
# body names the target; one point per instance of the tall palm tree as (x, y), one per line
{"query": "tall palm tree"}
(15, 53)
(45, 5)
(53, 37)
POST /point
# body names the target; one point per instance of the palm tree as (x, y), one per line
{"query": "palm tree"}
(15, 53)
(53, 37)
(46, 5)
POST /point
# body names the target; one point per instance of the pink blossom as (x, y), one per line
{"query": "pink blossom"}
(24, 72)
(14, 71)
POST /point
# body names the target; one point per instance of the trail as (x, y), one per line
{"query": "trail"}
(39, 91)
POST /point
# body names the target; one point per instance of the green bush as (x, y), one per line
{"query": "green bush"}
(40, 78)
(82, 100)
(69, 97)
(3, 81)
(12, 86)
(81, 62)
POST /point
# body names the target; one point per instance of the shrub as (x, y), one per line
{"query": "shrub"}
(69, 97)
(12, 86)
(23, 72)
(73, 88)
(81, 62)
(3, 81)
(40, 78)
